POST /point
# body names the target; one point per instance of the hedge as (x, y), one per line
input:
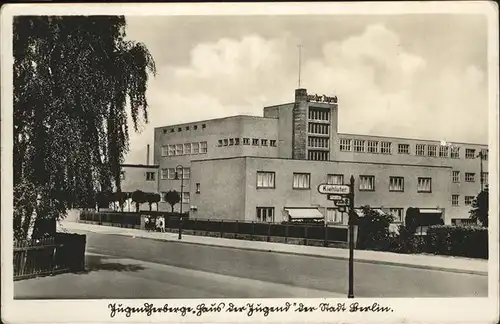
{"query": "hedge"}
(465, 241)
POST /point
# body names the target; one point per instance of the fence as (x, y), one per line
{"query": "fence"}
(309, 233)
(61, 253)
(256, 230)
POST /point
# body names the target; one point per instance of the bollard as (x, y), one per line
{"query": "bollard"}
(180, 228)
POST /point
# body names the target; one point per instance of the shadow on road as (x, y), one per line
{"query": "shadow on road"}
(97, 263)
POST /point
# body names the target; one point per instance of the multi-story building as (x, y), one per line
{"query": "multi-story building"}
(268, 168)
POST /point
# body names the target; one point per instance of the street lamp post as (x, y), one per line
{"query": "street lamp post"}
(182, 189)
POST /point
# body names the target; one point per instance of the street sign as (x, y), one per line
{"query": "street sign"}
(342, 202)
(334, 197)
(333, 189)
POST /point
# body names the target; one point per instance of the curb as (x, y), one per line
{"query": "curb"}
(396, 264)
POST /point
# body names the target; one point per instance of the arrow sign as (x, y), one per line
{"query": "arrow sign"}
(333, 189)
(334, 197)
(342, 202)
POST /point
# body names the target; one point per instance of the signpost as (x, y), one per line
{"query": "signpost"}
(342, 196)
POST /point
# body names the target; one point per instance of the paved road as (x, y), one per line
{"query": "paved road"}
(253, 274)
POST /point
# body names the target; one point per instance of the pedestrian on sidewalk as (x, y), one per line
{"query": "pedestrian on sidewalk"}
(161, 224)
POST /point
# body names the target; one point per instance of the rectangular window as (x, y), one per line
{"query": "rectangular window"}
(301, 181)
(334, 216)
(236, 141)
(317, 142)
(397, 214)
(220, 143)
(470, 153)
(315, 128)
(403, 148)
(396, 184)
(335, 179)
(263, 142)
(255, 141)
(195, 127)
(420, 149)
(122, 175)
(366, 183)
(424, 185)
(246, 141)
(455, 152)
(455, 176)
(164, 150)
(164, 174)
(171, 173)
(272, 143)
(171, 150)
(484, 154)
(187, 173)
(186, 197)
(198, 188)
(226, 142)
(431, 150)
(470, 177)
(203, 147)
(195, 147)
(319, 114)
(372, 147)
(231, 141)
(150, 176)
(469, 200)
(345, 144)
(187, 149)
(265, 214)
(484, 178)
(203, 126)
(178, 149)
(265, 179)
(317, 155)
(359, 145)
(455, 200)
(386, 147)
(443, 151)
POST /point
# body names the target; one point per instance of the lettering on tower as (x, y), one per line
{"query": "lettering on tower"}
(322, 98)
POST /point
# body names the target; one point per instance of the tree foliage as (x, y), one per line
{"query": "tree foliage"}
(411, 219)
(373, 229)
(138, 197)
(172, 197)
(480, 207)
(75, 77)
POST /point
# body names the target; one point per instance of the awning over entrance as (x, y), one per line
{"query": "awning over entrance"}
(430, 211)
(361, 214)
(304, 213)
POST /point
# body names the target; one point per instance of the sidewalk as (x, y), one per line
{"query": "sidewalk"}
(432, 262)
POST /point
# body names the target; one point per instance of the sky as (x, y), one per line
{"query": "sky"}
(417, 76)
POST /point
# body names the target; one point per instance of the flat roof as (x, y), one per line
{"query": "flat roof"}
(214, 119)
(330, 161)
(147, 166)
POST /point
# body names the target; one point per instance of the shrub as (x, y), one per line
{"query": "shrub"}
(373, 230)
(406, 242)
(466, 241)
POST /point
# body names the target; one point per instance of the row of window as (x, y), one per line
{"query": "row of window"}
(266, 214)
(469, 177)
(317, 142)
(184, 149)
(456, 198)
(185, 197)
(365, 183)
(150, 176)
(179, 129)
(246, 141)
(321, 129)
(173, 173)
(317, 155)
(319, 114)
(432, 150)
